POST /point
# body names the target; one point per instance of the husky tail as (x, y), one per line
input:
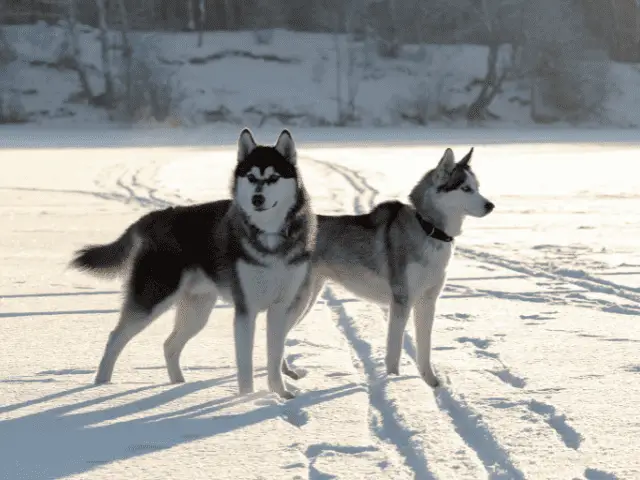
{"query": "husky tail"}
(107, 260)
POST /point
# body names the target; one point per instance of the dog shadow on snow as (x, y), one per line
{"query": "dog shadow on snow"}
(67, 440)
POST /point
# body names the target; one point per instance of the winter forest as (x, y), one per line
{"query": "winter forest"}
(320, 62)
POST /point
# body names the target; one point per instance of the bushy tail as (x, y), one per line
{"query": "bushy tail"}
(105, 260)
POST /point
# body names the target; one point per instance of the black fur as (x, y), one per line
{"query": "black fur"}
(172, 240)
(111, 256)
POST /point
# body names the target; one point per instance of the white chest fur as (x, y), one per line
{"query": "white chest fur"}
(263, 286)
(430, 272)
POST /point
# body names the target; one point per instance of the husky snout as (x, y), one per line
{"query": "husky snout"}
(257, 200)
(489, 206)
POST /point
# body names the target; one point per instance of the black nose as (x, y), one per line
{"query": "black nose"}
(489, 207)
(257, 200)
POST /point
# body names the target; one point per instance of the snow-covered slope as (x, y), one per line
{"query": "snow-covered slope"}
(293, 80)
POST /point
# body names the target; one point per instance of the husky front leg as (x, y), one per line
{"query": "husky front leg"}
(305, 302)
(244, 328)
(398, 318)
(280, 319)
(423, 316)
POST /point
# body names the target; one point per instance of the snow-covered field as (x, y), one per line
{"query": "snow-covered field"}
(536, 338)
(293, 80)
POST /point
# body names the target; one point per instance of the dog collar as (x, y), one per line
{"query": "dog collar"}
(432, 231)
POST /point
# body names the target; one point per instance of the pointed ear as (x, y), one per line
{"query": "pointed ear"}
(466, 159)
(445, 166)
(286, 147)
(246, 144)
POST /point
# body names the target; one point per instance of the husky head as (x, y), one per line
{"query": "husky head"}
(266, 183)
(449, 192)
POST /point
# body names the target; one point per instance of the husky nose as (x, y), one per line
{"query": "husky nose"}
(489, 207)
(257, 200)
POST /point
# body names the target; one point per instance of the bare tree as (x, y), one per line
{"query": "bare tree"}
(107, 73)
(127, 52)
(76, 53)
(348, 64)
(191, 25)
(488, 19)
(569, 69)
(7, 52)
(202, 17)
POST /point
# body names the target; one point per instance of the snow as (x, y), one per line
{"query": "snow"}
(231, 80)
(535, 341)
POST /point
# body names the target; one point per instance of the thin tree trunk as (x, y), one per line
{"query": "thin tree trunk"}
(106, 59)
(127, 53)
(229, 14)
(75, 50)
(202, 17)
(490, 88)
(7, 53)
(192, 22)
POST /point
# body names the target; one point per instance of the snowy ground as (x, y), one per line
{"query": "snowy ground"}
(293, 80)
(536, 338)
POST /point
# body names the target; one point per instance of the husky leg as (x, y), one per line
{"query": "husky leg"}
(305, 303)
(192, 315)
(281, 317)
(133, 320)
(146, 298)
(244, 328)
(424, 314)
(398, 318)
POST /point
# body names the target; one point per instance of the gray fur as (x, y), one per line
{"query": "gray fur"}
(387, 257)
(259, 259)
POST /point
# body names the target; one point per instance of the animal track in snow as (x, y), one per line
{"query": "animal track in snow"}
(504, 373)
(569, 435)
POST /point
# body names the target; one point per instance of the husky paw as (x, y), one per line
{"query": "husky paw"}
(286, 390)
(291, 373)
(431, 380)
(296, 373)
(287, 394)
(179, 379)
(245, 390)
(393, 370)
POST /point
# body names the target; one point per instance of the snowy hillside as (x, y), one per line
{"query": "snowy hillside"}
(292, 81)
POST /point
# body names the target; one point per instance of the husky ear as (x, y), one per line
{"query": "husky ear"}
(246, 144)
(286, 147)
(445, 166)
(464, 163)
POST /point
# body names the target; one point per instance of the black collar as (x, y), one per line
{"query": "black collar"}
(432, 231)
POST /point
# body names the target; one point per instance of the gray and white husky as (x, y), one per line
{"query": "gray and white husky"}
(397, 255)
(253, 250)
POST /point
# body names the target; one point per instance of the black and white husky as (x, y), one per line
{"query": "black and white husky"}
(252, 250)
(397, 254)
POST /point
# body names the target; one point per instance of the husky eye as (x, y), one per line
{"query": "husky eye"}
(467, 189)
(273, 179)
(252, 178)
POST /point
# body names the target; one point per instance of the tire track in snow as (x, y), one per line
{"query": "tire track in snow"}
(586, 281)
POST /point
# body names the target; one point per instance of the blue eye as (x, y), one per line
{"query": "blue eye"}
(466, 189)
